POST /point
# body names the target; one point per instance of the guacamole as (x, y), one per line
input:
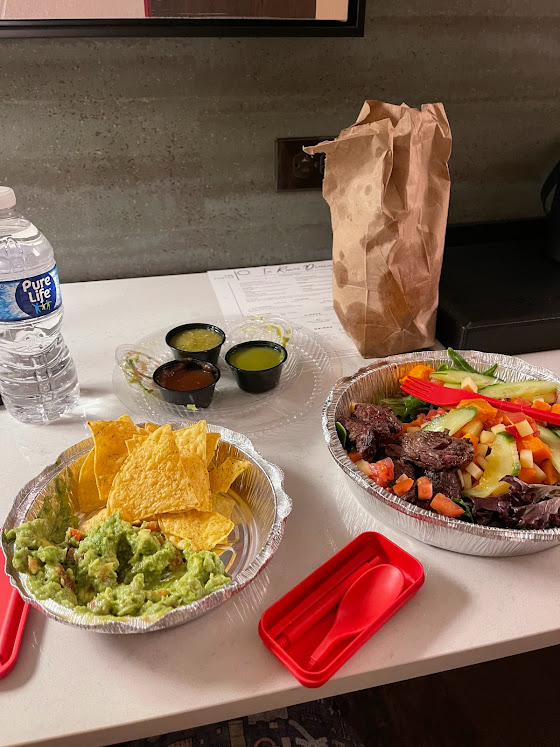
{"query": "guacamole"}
(115, 569)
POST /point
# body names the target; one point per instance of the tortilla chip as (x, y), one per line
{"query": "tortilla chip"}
(156, 479)
(110, 437)
(223, 476)
(223, 504)
(88, 494)
(203, 529)
(93, 521)
(150, 427)
(133, 443)
(192, 440)
(125, 419)
(211, 446)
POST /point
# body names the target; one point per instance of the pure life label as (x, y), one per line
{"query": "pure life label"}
(30, 298)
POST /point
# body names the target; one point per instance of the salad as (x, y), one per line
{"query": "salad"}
(471, 461)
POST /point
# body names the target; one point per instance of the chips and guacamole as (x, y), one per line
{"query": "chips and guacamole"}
(158, 513)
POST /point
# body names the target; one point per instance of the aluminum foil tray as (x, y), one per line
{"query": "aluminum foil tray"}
(381, 379)
(261, 510)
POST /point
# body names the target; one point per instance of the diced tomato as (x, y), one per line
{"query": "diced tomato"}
(75, 534)
(435, 413)
(514, 430)
(445, 506)
(152, 526)
(511, 418)
(354, 456)
(383, 471)
(521, 401)
(491, 422)
(425, 488)
(403, 485)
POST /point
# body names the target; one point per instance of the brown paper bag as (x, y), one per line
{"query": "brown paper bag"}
(387, 184)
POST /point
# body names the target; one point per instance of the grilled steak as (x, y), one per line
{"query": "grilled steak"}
(362, 435)
(405, 468)
(436, 450)
(380, 419)
(446, 482)
(370, 427)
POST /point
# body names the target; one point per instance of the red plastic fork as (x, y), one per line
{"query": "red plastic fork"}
(442, 395)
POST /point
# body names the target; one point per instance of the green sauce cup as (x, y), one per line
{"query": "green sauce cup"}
(259, 380)
(180, 353)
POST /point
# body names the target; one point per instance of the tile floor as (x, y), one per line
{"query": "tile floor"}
(506, 703)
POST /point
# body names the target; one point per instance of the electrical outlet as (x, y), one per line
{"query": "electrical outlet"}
(295, 169)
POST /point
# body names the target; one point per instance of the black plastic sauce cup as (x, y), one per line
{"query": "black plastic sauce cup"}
(257, 382)
(211, 355)
(198, 397)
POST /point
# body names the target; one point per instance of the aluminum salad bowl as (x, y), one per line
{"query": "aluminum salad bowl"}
(261, 510)
(381, 379)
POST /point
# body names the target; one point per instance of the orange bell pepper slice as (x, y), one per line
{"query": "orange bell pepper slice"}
(419, 372)
(552, 474)
(485, 409)
(539, 405)
(528, 474)
(540, 450)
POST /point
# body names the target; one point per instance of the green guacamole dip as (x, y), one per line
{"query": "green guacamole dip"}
(116, 569)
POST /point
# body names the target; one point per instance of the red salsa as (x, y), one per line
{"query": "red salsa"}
(183, 379)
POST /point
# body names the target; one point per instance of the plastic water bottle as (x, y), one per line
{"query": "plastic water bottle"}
(38, 379)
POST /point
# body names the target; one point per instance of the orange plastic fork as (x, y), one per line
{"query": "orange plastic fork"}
(442, 395)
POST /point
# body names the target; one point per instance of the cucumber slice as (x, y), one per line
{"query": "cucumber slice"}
(552, 440)
(528, 389)
(503, 460)
(342, 434)
(457, 377)
(453, 420)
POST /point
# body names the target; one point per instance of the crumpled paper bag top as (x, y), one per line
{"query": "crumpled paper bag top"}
(387, 184)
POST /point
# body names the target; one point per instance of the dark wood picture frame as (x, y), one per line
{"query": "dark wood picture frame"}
(354, 26)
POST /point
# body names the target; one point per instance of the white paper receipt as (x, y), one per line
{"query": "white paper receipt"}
(300, 292)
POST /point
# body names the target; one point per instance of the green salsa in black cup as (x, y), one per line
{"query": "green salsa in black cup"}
(256, 365)
(187, 382)
(200, 341)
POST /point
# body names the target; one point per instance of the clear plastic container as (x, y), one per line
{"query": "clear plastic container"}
(38, 379)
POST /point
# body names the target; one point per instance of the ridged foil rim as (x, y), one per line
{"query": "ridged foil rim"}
(504, 362)
(28, 495)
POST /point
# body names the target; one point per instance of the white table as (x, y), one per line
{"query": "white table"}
(108, 688)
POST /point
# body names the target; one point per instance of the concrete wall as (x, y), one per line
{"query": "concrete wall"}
(154, 156)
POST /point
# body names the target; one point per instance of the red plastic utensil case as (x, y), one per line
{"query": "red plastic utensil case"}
(295, 625)
(13, 615)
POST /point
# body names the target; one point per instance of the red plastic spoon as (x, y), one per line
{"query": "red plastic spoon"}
(366, 600)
